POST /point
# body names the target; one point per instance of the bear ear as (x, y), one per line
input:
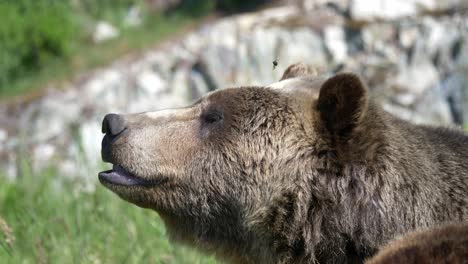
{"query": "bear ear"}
(342, 103)
(298, 69)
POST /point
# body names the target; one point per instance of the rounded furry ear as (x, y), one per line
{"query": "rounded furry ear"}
(298, 69)
(342, 103)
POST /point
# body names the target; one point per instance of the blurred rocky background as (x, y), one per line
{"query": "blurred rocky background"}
(412, 53)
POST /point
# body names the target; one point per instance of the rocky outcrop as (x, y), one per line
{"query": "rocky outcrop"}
(415, 62)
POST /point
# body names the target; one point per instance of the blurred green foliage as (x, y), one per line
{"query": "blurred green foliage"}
(196, 7)
(31, 33)
(231, 6)
(49, 40)
(50, 219)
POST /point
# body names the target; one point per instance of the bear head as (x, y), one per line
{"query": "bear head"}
(228, 173)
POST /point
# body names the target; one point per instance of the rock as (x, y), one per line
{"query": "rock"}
(454, 87)
(354, 41)
(405, 98)
(365, 10)
(180, 84)
(465, 103)
(388, 9)
(310, 5)
(380, 9)
(379, 37)
(442, 5)
(335, 42)
(41, 156)
(302, 45)
(107, 91)
(400, 111)
(151, 83)
(273, 16)
(430, 109)
(433, 108)
(410, 78)
(408, 35)
(3, 136)
(198, 85)
(51, 118)
(104, 31)
(441, 38)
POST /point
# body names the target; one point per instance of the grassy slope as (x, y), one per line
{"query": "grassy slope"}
(86, 56)
(53, 225)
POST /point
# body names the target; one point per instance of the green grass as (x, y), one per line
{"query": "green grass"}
(86, 55)
(52, 222)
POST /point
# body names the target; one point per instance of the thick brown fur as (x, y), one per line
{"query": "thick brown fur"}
(306, 170)
(440, 245)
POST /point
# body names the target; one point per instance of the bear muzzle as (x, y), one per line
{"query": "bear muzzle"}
(114, 127)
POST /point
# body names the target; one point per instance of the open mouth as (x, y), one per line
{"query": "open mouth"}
(119, 176)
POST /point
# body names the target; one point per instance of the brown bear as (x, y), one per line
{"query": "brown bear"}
(305, 170)
(440, 245)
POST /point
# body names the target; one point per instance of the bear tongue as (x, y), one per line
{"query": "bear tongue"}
(120, 176)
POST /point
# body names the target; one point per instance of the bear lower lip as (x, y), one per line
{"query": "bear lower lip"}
(119, 176)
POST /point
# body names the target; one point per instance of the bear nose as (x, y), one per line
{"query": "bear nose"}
(113, 124)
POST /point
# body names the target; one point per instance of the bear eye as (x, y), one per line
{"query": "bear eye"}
(212, 117)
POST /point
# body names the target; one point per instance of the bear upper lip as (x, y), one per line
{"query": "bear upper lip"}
(120, 176)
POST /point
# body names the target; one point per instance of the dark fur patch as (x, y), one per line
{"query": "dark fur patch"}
(342, 103)
(446, 244)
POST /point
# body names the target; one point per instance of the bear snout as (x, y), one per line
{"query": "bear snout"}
(113, 126)
(106, 149)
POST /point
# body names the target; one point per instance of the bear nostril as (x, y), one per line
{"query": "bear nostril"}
(113, 124)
